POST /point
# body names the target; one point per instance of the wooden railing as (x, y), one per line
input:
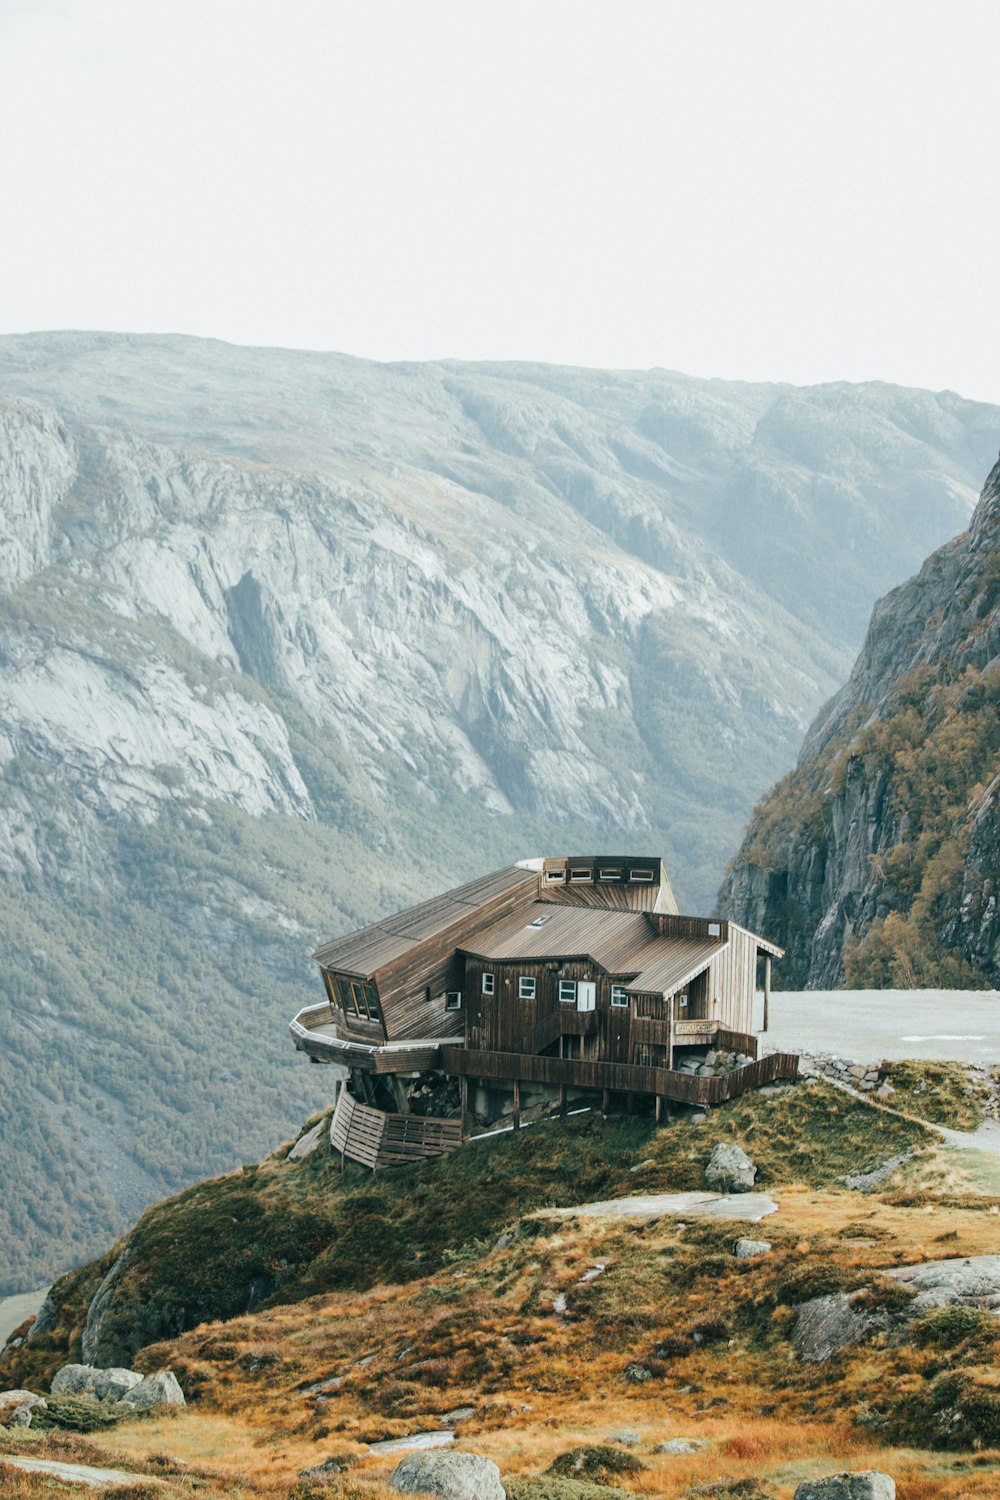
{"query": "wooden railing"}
(618, 1077)
(577, 1022)
(376, 1139)
(645, 1029)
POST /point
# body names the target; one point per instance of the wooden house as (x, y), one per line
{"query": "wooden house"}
(544, 981)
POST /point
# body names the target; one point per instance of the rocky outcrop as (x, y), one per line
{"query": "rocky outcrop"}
(119, 1385)
(877, 858)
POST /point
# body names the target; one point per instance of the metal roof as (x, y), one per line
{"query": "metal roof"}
(368, 949)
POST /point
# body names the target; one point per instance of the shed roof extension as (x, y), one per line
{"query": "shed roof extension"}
(368, 950)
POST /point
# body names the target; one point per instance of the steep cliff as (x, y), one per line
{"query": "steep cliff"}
(878, 858)
(290, 640)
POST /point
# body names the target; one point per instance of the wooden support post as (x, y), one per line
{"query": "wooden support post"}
(517, 1103)
(767, 989)
(562, 1100)
(463, 1092)
(605, 1101)
(659, 1108)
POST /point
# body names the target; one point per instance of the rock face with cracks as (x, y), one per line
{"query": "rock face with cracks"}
(729, 1169)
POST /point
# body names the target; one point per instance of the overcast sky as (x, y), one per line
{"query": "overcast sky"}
(772, 189)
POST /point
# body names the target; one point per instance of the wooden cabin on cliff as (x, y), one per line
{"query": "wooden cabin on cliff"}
(546, 981)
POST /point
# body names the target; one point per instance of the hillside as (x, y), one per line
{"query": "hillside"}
(875, 861)
(569, 1344)
(291, 640)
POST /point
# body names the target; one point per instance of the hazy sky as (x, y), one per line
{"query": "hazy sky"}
(757, 188)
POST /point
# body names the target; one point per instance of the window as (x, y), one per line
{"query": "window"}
(640, 875)
(609, 874)
(489, 984)
(360, 999)
(555, 875)
(581, 874)
(714, 930)
(682, 1001)
(567, 991)
(540, 921)
(619, 995)
(453, 1000)
(525, 988)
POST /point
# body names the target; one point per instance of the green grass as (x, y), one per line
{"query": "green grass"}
(946, 1093)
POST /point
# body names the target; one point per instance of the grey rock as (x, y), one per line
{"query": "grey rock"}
(19, 1397)
(451, 1476)
(681, 1445)
(864, 1182)
(115, 1384)
(637, 1374)
(94, 1347)
(973, 1280)
(751, 1249)
(825, 1325)
(21, 1416)
(864, 1484)
(628, 1437)
(456, 1415)
(307, 1144)
(729, 1169)
(75, 1380)
(161, 1389)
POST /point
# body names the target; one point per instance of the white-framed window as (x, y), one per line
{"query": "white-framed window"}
(489, 983)
(581, 874)
(540, 921)
(554, 875)
(682, 1001)
(714, 929)
(640, 875)
(609, 874)
(453, 1000)
(567, 991)
(525, 988)
(619, 996)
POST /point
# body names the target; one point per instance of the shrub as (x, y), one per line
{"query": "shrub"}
(597, 1462)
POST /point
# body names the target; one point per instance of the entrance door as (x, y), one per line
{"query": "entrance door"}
(586, 994)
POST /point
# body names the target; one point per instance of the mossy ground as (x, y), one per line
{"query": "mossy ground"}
(541, 1353)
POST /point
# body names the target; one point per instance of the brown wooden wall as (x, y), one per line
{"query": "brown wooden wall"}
(733, 981)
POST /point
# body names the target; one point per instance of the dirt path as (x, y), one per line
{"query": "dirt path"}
(73, 1473)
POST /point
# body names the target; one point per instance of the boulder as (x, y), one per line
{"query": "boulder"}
(729, 1169)
(452, 1476)
(750, 1249)
(160, 1389)
(864, 1484)
(115, 1384)
(682, 1445)
(75, 1380)
(628, 1437)
(20, 1398)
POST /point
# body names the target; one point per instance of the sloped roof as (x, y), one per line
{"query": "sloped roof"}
(620, 942)
(370, 948)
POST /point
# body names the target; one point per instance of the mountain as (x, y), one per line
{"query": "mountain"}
(877, 858)
(290, 640)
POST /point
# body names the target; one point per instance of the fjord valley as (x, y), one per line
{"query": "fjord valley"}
(285, 636)
(876, 860)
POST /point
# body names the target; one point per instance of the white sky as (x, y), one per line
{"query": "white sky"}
(788, 189)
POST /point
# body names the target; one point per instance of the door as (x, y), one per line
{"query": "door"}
(586, 994)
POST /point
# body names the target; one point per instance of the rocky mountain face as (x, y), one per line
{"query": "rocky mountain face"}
(878, 859)
(289, 640)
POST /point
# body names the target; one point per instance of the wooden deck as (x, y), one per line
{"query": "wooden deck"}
(624, 1078)
(376, 1139)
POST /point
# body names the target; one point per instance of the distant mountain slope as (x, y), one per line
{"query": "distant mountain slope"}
(879, 856)
(288, 640)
